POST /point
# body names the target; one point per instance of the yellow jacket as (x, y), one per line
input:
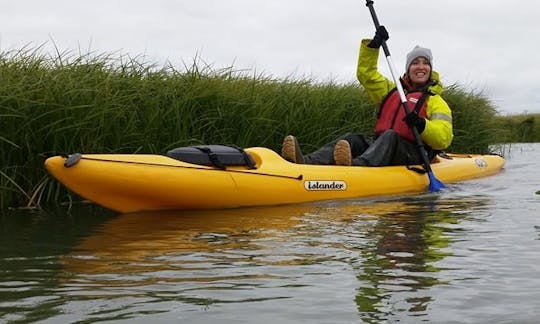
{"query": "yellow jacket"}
(438, 131)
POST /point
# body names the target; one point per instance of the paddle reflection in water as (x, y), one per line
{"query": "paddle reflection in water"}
(324, 262)
(399, 263)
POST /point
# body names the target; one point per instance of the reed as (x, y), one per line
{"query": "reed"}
(102, 103)
(474, 120)
(524, 128)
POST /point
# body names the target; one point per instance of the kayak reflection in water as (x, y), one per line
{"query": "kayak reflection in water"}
(394, 141)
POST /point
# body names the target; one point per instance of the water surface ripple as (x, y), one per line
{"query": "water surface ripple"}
(468, 255)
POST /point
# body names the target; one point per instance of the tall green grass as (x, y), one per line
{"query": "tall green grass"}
(524, 128)
(474, 119)
(102, 103)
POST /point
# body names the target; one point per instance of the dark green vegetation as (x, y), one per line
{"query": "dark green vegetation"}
(105, 104)
(523, 128)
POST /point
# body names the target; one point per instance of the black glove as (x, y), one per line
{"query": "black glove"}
(381, 35)
(413, 120)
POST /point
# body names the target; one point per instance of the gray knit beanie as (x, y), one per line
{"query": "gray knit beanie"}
(417, 52)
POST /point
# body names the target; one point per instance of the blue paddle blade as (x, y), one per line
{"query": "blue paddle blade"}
(434, 184)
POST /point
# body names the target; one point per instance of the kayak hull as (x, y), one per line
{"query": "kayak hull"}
(139, 182)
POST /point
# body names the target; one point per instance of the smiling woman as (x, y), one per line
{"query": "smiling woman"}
(429, 108)
(419, 69)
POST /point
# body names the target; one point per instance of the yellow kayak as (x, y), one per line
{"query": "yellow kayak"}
(139, 182)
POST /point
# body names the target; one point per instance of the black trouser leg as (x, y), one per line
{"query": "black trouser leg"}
(325, 154)
(380, 152)
(390, 149)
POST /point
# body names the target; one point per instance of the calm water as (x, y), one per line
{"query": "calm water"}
(468, 255)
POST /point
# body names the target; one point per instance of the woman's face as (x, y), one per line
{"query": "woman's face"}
(419, 71)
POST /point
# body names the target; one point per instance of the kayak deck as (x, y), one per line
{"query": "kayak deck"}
(142, 182)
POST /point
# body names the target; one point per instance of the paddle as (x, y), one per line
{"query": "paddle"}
(434, 184)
